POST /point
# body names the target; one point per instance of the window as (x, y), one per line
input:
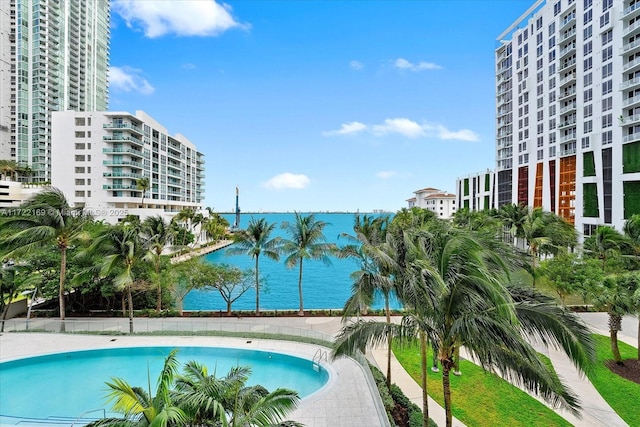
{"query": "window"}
(539, 77)
(607, 137)
(79, 193)
(588, 48)
(80, 146)
(552, 28)
(80, 121)
(587, 32)
(607, 104)
(604, 19)
(79, 169)
(588, 110)
(607, 121)
(607, 53)
(552, 69)
(588, 63)
(552, 151)
(585, 142)
(552, 41)
(539, 64)
(540, 154)
(588, 126)
(606, 4)
(607, 70)
(607, 87)
(79, 134)
(540, 90)
(588, 16)
(552, 124)
(552, 83)
(79, 158)
(552, 138)
(588, 79)
(588, 95)
(539, 52)
(539, 24)
(540, 103)
(552, 96)
(540, 141)
(79, 181)
(606, 37)
(556, 9)
(552, 55)
(552, 110)
(539, 38)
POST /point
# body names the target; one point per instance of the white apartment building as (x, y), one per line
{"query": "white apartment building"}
(54, 56)
(438, 201)
(100, 156)
(476, 192)
(568, 111)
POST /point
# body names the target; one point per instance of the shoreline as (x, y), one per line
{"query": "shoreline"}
(201, 251)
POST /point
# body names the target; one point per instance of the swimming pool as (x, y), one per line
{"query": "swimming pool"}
(72, 384)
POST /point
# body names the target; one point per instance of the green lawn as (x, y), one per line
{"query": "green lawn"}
(482, 399)
(622, 395)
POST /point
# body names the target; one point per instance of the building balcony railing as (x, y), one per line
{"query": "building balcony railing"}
(568, 79)
(629, 120)
(567, 138)
(125, 150)
(630, 28)
(629, 47)
(627, 12)
(567, 21)
(567, 65)
(631, 138)
(631, 101)
(568, 152)
(628, 84)
(122, 126)
(568, 108)
(567, 50)
(121, 175)
(568, 35)
(120, 187)
(113, 162)
(630, 64)
(122, 139)
(567, 123)
(567, 93)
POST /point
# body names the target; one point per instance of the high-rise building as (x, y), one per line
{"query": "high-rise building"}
(476, 192)
(54, 56)
(101, 158)
(568, 111)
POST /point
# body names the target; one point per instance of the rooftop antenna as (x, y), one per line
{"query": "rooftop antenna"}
(237, 223)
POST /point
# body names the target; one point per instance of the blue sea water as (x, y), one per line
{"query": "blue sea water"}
(324, 286)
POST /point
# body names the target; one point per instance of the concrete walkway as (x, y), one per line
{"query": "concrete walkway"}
(201, 251)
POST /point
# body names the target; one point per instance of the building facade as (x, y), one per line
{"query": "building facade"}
(101, 156)
(443, 204)
(568, 111)
(54, 56)
(477, 192)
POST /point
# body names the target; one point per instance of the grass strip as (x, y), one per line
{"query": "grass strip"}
(480, 398)
(621, 394)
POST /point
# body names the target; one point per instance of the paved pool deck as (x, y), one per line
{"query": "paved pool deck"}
(347, 401)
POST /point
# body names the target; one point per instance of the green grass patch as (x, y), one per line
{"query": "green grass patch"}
(480, 398)
(621, 394)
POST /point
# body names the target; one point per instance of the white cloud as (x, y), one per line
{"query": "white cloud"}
(407, 128)
(385, 174)
(347, 128)
(402, 126)
(188, 66)
(183, 18)
(356, 65)
(403, 64)
(287, 180)
(129, 79)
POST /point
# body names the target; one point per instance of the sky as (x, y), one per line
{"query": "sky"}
(316, 105)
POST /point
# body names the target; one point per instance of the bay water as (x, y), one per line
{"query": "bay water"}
(324, 286)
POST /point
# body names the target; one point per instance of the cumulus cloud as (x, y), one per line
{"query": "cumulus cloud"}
(286, 181)
(356, 65)
(129, 79)
(157, 18)
(407, 128)
(404, 127)
(347, 129)
(403, 64)
(385, 174)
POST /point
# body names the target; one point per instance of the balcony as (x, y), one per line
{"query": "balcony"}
(113, 162)
(630, 47)
(568, 79)
(628, 84)
(567, 21)
(568, 35)
(123, 139)
(120, 187)
(125, 150)
(630, 12)
(629, 120)
(567, 50)
(628, 30)
(631, 101)
(567, 123)
(630, 65)
(568, 138)
(631, 138)
(566, 93)
(567, 65)
(568, 152)
(121, 175)
(122, 126)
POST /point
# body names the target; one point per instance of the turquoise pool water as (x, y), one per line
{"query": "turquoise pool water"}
(72, 384)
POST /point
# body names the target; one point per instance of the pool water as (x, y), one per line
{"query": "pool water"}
(72, 384)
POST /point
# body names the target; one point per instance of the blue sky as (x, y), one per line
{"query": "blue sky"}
(316, 105)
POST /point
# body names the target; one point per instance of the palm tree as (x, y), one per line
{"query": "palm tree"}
(47, 219)
(456, 296)
(157, 236)
(307, 241)
(605, 243)
(139, 407)
(255, 241)
(184, 217)
(513, 217)
(9, 168)
(121, 249)
(143, 184)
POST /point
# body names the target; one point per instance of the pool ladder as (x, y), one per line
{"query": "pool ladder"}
(320, 356)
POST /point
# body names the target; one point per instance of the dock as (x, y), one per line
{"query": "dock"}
(201, 251)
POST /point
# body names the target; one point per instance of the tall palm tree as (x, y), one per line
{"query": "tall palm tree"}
(255, 241)
(143, 184)
(605, 243)
(184, 217)
(457, 297)
(306, 241)
(121, 249)
(45, 219)
(157, 237)
(513, 217)
(9, 168)
(139, 407)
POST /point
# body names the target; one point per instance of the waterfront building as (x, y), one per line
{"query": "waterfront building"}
(101, 157)
(54, 56)
(568, 111)
(476, 192)
(438, 201)
(13, 193)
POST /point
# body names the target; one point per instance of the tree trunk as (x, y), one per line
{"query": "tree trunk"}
(179, 301)
(614, 347)
(123, 300)
(257, 288)
(228, 307)
(130, 298)
(301, 312)
(388, 315)
(159, 300)
(63, 272)
(638, 344)
(423, 378)
(446, 388)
